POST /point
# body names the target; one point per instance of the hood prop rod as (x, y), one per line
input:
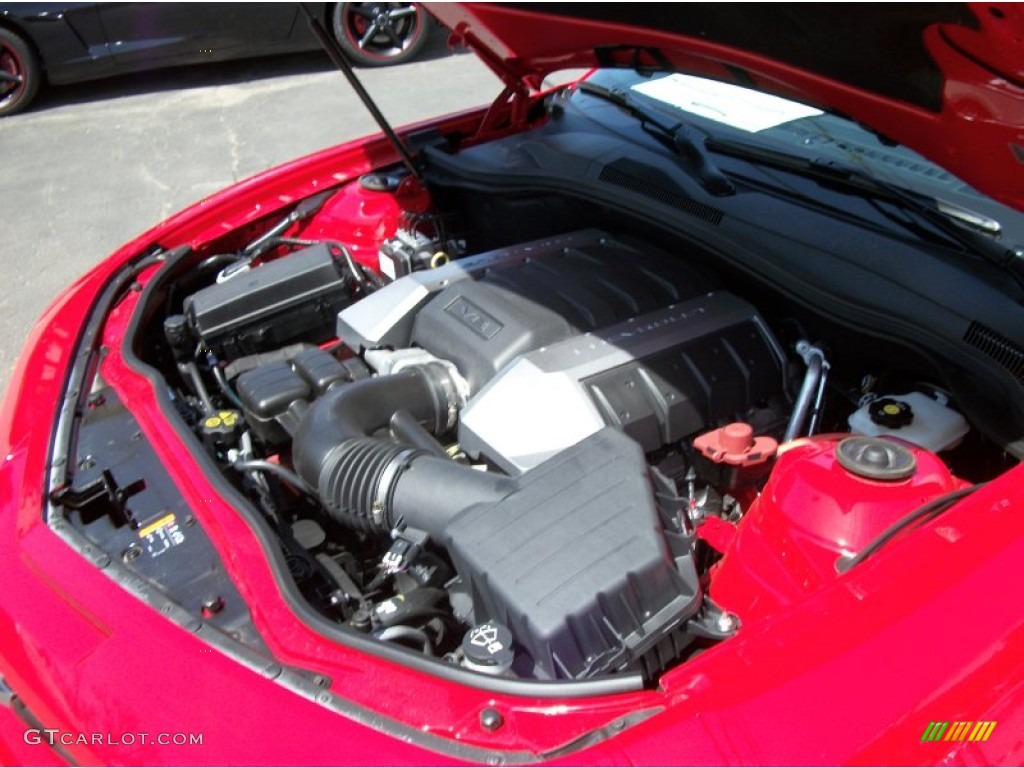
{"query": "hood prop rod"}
(330, 45)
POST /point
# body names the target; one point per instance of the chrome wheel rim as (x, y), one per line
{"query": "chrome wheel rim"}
(12, 74)
(381, 30)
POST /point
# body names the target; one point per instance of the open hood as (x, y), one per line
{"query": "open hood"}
(946, 80)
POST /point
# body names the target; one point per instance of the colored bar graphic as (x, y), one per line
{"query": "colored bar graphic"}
(934, 731)
(959, 730)
(956, 732)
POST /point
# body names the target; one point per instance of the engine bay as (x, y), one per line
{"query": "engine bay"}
(566, 451)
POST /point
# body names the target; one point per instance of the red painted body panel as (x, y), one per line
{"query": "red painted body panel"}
(360, 218)
(928, 629)
(20, 748)
(810, 513)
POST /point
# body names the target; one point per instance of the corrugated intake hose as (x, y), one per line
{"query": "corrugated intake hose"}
(373, 483)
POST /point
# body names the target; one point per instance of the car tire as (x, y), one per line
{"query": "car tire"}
(20, 72)
(379, 34)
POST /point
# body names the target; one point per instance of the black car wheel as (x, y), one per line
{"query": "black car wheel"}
(19, 73)
(377, 34)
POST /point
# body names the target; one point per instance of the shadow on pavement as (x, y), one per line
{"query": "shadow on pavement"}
(206, 75)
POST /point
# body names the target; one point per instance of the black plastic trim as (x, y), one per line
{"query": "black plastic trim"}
(1001, 349)
(613, 174)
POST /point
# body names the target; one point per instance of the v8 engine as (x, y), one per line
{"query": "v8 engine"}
(503, 428)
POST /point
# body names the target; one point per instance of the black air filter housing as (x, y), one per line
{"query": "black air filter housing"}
(576, 561)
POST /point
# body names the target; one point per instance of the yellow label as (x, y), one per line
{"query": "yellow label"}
(166, 520)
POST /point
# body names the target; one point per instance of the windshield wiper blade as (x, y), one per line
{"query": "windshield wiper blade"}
(681, 137)
(1010, 260)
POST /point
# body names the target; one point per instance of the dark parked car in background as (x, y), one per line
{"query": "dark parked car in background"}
(61, 43)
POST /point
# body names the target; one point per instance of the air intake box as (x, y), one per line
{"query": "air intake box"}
(576, 561)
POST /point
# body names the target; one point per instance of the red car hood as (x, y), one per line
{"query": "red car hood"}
(944, 79)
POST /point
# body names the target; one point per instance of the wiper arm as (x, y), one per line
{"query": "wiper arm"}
(680, 137)
(1010, 260)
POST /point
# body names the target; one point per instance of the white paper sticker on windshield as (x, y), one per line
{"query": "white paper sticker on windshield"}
(739, 107)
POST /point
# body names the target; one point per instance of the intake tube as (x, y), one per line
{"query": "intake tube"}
(376, 484)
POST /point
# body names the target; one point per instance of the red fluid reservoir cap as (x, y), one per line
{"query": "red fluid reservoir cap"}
(735, 444)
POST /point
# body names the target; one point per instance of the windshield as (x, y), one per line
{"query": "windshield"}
(728, 111)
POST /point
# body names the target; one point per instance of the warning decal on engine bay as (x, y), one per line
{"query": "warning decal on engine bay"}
(161, 535)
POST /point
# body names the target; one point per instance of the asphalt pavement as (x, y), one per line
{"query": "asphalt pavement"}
(91, 166)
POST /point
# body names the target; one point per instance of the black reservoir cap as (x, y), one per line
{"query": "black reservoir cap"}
(488, 648)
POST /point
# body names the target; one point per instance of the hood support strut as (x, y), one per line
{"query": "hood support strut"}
(330, 45)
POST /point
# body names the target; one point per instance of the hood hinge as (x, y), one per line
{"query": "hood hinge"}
(510, 109)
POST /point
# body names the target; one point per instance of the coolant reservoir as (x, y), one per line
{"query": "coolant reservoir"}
(827, 497)
(914, 417)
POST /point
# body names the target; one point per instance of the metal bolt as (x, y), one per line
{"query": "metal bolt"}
(726, 622)
(132, 553)
(491, 719)
(213, 605)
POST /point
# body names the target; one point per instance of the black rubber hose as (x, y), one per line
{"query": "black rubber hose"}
(407, 430)
(225, 387)
(260, 465)
(362, 408)
(192, 373)
(376, 484)
(427, 492)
